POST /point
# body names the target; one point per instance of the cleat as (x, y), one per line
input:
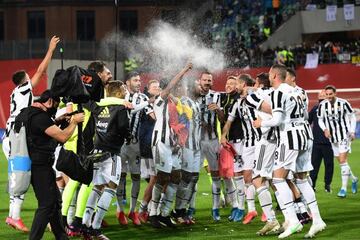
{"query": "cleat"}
(233, 214)
(134, 216)
(72, 231)
(166, 221)
(216, 214)
(342, 193)
(9, 221)
(249, 217)
(180, 216)
(239, 215)
(314, 229)
(97, 234)
(263, 217)
(269, 228)
(291, 229)
(19, 225)
(143, 216)
(154, 221)
(121, 218)
(283, 227)
(354, 185)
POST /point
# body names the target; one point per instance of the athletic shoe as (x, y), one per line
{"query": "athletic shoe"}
(263, 217)
(291, 229)
(143, 216)
(249, 217)
(284, 226)
(97, 234)
(166, 221)
(72, 231)
(239, 215)
(216, 214)
(134, 216)
(232, 214)
(328, 189)
(179, 215)
(154, 221)
(9, 221)
(354, 185)
(342, 193)
(121, 218)
(19, 225)
(269, 228)
(314, 229)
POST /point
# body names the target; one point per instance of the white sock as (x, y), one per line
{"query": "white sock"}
(353, 177)
(281, 205)
(168, 199)
(232, 193)
(193, 196)
(16, 207)
(72, 207)
(11, 203)
(102, 207)
(155, 198)
(120, 194)
(265, 200)
(216, 188)
(183, 194)
(90, 206)
(143, 206)
(135, 189)
(345, 173)
(240, 187)
(250, 197)
(310, 198)
(285, 195)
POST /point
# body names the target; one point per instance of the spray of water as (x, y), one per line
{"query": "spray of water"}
(165, 48)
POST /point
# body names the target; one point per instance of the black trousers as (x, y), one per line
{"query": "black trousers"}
(49, 204)
(319, 152)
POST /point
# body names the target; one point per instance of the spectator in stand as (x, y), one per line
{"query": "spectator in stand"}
(321, 149)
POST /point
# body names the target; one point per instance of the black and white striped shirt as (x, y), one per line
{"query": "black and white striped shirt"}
(193, 140)
(254, 100)
(305, 99)
(140, 103)
(208, 118)
(20, 98)
(291, 130)
(338, 118)
(162, 131)
(247, 116)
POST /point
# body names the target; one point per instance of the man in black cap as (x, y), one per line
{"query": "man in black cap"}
(43, 137)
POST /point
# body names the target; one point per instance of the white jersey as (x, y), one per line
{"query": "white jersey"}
(291, 131)
(209, 118)
(337, 118)
(162, 131)
(255, 100)
(193, 140)
(247, 116)
(21, 97)
(139, 102)
(305, 99)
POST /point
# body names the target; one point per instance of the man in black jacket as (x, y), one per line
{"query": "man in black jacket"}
(321, 148)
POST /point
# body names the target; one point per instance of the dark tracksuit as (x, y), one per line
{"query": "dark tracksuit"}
(321, 150)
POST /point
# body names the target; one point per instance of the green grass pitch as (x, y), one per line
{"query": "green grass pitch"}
(342, 216)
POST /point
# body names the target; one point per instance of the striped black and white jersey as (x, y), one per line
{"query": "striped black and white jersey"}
(291, 130)
(141, 105)
(21, 97)
(305, 99)
(227, 101)
(337, 118)
(208, 118)
(254, 100)
(162, 131)
(247, 116)
(193, 140)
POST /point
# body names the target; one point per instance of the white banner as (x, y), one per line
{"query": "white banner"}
(312, 60)
(349, 11)
(331, 13)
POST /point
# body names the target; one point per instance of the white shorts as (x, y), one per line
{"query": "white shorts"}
(264, 158)
(147, 167)
(6, 147)
(190, 160)
(303, 161)
(343, 146)
(210, 151)
(285, 158)
(165, 159)
(130, 158)
(58, 174)
(108, 170)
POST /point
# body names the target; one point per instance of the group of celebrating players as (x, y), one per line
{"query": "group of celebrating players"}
(165, 133)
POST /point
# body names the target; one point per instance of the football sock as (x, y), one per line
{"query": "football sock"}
(90, 206)
(102, 207)
(82, 198)
(265, 201)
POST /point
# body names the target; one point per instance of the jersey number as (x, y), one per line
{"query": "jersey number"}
(298, 110)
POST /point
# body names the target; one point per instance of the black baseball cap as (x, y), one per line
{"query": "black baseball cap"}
(46, 95)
